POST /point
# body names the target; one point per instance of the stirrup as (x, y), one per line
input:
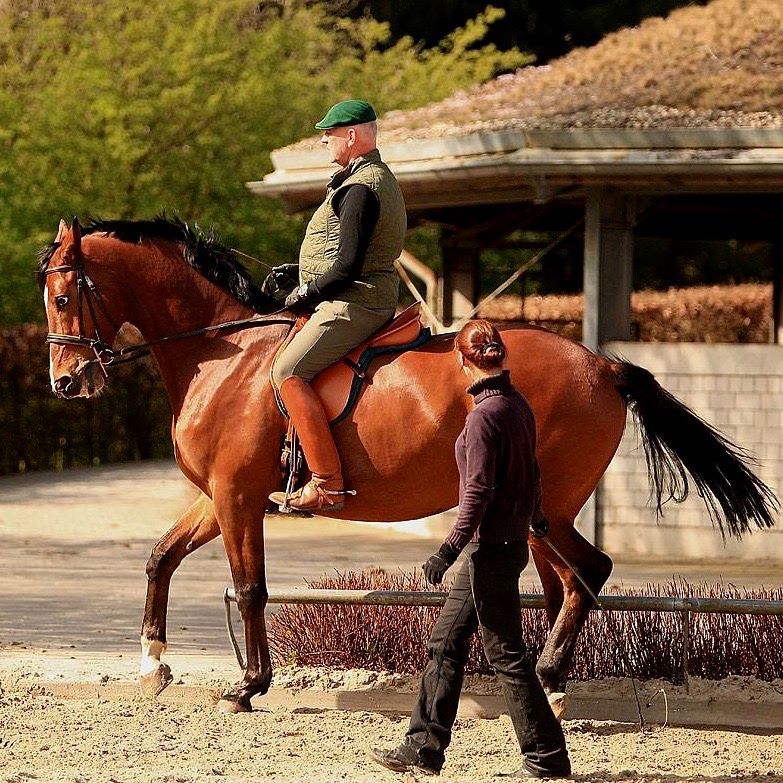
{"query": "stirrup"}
(321, 502)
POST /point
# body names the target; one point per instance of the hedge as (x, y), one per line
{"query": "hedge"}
(131, 420)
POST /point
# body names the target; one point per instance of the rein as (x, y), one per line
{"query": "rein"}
(105, 355)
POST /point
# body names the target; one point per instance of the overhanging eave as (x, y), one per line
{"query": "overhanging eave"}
(506, 166)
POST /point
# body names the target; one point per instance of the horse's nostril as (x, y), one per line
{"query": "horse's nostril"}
(64, 385)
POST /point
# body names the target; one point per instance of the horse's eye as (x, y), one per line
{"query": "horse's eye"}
(61, 301)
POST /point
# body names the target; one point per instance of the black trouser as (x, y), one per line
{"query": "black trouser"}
(485, 595)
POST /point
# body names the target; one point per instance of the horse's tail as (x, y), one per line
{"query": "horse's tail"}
(676, 440)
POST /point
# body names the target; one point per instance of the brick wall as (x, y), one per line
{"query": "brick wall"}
(739, 390)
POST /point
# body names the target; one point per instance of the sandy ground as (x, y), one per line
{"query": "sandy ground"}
(61, 720)
(72, 554)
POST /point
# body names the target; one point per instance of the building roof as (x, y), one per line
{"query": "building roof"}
(673, 93)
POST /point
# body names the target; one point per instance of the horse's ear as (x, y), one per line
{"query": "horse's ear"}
(76, 233)
(62, 230)
(72, 242)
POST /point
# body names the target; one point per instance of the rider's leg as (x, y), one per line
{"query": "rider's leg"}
(324, 490)
(333, 330)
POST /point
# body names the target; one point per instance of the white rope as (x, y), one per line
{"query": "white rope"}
(432, 319)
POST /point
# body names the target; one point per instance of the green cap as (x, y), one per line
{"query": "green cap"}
(347, 113)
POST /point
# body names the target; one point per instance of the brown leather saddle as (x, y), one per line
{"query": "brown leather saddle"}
(340, 385)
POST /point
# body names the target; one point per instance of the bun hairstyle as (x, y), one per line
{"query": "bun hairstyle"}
(480, 343)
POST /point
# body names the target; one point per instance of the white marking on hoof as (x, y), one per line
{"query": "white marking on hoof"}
(154, 676)
(558, 703)
(232, 707)
(151, 650)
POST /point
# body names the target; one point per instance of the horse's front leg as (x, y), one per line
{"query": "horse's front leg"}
(196, 527)
(241, 524)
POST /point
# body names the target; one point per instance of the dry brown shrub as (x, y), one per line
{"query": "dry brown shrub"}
(646, 645)
(702, 314)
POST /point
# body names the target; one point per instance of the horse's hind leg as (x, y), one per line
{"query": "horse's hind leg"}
(196, 527)
(594, 567)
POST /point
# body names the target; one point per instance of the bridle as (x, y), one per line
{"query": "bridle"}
(88, 295)
(86, 291)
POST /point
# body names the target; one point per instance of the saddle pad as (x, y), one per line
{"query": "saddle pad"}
(340, 385)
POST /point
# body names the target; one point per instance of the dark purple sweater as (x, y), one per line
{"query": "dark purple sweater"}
(500, 487)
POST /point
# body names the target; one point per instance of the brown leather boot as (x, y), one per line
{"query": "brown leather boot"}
(324, 491)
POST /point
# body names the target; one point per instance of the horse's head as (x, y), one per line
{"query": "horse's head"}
(81, 331)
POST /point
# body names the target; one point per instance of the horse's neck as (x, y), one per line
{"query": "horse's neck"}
(171, 297)
(168, 297)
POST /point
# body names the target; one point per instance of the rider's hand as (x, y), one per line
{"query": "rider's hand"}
(280, 281)
(540, 527)
(290, 270)
(437, 564)
(298, 297)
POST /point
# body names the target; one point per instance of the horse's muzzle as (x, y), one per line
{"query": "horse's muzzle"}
(67, 387)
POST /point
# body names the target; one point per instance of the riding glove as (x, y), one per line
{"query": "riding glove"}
(281, 281)
(437, 564)
(299, 297)
(540, 528)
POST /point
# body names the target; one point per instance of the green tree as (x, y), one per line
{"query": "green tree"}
(132, 108)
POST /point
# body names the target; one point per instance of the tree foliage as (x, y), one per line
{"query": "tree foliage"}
(550, 29)
(122, 108)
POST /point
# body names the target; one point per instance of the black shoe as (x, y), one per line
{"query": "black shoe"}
(401, 759)
(528, 773)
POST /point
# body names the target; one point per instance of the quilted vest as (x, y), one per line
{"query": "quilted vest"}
(378, 286)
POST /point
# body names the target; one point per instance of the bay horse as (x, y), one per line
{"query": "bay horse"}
(213, 334)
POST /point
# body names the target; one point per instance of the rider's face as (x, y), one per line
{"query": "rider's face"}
(339, 143)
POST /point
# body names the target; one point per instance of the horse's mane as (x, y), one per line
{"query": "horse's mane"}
(201, 249)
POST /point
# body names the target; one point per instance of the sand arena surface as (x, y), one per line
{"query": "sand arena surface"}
(72, 554)
(62, 720)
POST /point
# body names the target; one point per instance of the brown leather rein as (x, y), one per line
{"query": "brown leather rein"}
(105, 356)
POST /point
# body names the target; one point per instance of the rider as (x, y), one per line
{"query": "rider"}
(346, 273)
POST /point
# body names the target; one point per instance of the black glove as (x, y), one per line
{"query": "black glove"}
(299, 298)
(281, 281)
(437, 564)
(540, 527)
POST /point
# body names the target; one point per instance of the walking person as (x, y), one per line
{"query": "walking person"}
(499, 500)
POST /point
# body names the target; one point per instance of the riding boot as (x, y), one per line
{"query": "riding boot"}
(324, 491)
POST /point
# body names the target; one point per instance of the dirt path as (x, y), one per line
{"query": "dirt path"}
(59, 721)
(72, 553)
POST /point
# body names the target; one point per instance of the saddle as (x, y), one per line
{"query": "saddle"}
(340, 385)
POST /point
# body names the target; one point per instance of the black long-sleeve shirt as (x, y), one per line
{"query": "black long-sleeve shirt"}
(358, 209)
(500, 486)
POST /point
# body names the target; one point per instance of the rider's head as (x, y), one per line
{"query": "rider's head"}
(349, 130)
(480, 348)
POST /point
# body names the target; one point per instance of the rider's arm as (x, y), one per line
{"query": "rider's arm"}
(481, 454)
(358, 209)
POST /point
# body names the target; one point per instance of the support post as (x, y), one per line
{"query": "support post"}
(460, 279)
(776, 327)
(608, 280)
(608, 266)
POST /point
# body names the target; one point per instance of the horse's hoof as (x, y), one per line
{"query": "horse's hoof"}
(557, 701)
(155, 682)
(231, 705)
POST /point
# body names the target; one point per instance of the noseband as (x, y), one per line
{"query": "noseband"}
(105, 356)
(86, 291)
